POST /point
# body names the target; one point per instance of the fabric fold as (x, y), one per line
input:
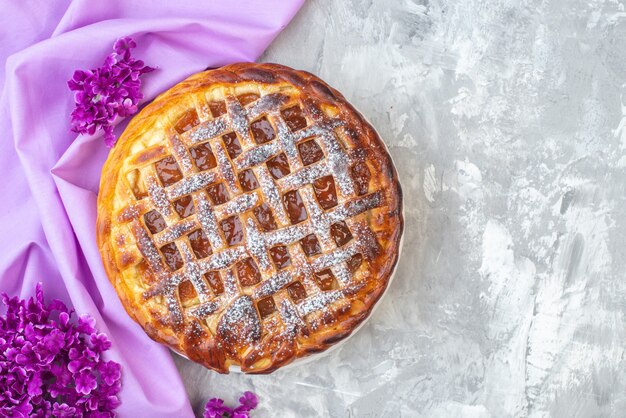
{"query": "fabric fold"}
(49, 224)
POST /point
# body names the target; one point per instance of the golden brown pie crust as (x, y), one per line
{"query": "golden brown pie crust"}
(249, 216)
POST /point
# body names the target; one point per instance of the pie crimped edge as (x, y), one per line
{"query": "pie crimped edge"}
(192, 336)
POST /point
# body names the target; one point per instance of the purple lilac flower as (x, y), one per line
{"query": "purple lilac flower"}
(53, 366)
(104, 93)
(215, 408)
(248, 401)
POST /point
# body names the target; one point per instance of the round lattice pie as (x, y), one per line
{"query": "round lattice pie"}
(249, 216)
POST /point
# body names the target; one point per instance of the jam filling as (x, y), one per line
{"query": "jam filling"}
(247, 98)
(262, 131)
(325, 279)
(340, 233)
(186, 291)
(265, 218)
(266, 307)
(173, 259)
(248, 272)
(187, 121)
(168, 171)
(217, 108)
(294, 206)
(296, 292)
(280, 256)
(248, 180)
(310, 152)
(202, 157)
(233, 232)
(354, 262)
(200, 243)
(184, 206)
(325, 192)
(278, 166)
(215, 281)
(233, 147)
(218, 193)
(294, 118)
(310, 245)
(361, 176)
(154, 221)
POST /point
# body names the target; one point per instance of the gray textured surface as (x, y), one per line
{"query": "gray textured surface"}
(507, 123)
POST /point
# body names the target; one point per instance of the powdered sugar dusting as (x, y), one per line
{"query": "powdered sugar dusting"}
(230, 283)
(208, 130)
(158, 196)
(146, 247)
(240, 323)
(257, 245)
(208, 221)
(271, 194)
(288, 143)
(321, 126)
(257, 155)
(239, 120)
(318, 302)
(337, 256)
(225, 167)
(266, 104)
(180, 153)
(174, 232)
(287, 235)
(289, 314)
(342, 273)
(238, 205)
(205, 309)
(305, 176)
(320, 220)
(223, 259)
(273, 284)
(173, 305)
(338, 162)
(191, 184)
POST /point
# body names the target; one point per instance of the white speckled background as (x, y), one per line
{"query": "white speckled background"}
(507, 123)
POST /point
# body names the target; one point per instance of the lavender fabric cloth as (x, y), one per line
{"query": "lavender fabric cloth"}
(49, 178)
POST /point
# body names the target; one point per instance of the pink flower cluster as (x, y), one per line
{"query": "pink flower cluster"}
(215, 408)
(52, 366)
(104, 93)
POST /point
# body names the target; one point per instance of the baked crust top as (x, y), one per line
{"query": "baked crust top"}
(249, 216)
